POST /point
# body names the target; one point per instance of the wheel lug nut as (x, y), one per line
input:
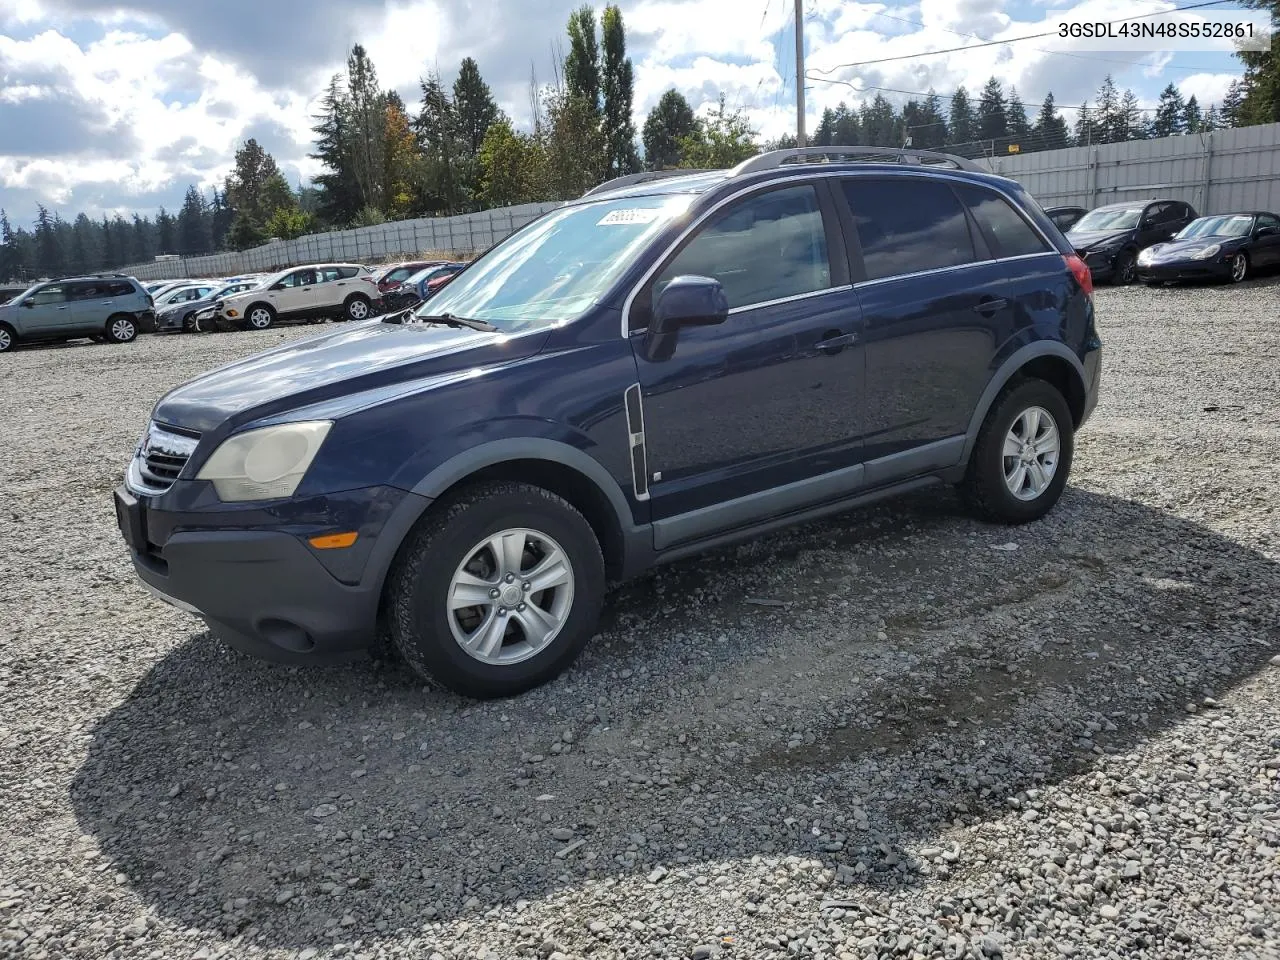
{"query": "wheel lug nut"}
(526, 585)
(494, 593)
(510, 577)
(520, 608)
(502, 611)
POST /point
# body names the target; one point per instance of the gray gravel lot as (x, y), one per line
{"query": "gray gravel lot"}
(945, 739)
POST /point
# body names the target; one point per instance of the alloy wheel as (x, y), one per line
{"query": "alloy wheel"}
(1239, 267)
(260, 319)
(6, 339)
(1031, 450)
(511, 596)
(123, 330)
(357, 310)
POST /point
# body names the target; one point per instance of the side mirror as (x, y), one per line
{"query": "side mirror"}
(690, 302)
(687, 301)
(29, 304)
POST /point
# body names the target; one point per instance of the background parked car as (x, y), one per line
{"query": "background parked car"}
(113, 308)
(180, 313)
(343, 291)
(1227, 246)
(184, 293)
(1110, 238)
(420, 286)
(389, 277)
(1064, 218)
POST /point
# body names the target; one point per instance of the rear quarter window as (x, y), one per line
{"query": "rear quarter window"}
(1007, 233)
(348, 272)
(120, 289)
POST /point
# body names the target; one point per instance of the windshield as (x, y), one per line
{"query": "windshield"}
(1216, 227)
(553, 270)
(1125, 218)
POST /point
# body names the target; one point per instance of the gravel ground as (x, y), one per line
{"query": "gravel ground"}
(937, 738)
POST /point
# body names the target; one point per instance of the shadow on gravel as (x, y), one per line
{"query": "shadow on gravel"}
(929, 672)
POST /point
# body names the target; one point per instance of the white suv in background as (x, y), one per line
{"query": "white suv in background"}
(343, 291)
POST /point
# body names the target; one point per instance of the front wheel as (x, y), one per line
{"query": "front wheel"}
(1239, 267)
(1020, 463)
(122, 329)
(260, 317)
(8, 339)
(357, 308)
(1126, 269)
(497, 591)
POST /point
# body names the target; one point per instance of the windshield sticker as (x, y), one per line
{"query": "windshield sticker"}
(638, 215)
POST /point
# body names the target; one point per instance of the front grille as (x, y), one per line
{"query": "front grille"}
(160, 459)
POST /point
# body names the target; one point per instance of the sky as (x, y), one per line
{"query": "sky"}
(119, 105)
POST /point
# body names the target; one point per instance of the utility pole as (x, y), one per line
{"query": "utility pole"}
(800, 73)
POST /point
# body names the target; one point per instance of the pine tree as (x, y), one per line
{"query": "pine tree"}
(474, 106)
(86, 248)
(1111, 124)
(367, 109)
(1212, 119)
(164, 233)
(49, 255)
(139, 241)
(11, 265)
(113, 255)
(880, 123)
(993, 120)
(961, 126)
(1134, 122)
(668, 122)
(1260, 86)
(824, 136)
(1170, 115)
(1192, 119)
(618, 85)
(194, 236)
(1230, 113)
(437, 129)
(1086, 126)
(1019, 127)
(1050, 131)
(932, 133)
(220, 217)
(339, 192)
(848, 132)
(582, 64)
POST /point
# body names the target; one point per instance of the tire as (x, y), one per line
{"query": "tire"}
(1240, 267)
(260, 316)
(8, 338)
(988, 485)
(189, 323)
(121, 329)
(1125, 269)
(357, 308)
(429, 635)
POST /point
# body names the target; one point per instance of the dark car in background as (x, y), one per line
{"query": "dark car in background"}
(1227, 246)
(1064, 218)
(392, 275)
(1110, 238)
(420, 286)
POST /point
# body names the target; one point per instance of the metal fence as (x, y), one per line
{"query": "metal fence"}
(468, 233)
(1218, 172)
(1215, 172)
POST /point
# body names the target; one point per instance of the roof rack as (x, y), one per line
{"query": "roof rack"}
(776, 158)
(633, 178)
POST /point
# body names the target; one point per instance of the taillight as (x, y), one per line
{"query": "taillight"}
(1080, 270)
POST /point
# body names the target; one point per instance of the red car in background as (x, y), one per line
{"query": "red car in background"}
(393, 274)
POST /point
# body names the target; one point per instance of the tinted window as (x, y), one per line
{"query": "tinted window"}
(346, 273)
(54, 293)
(1267, 220)
(119, 288)
(906, 226)
(300, 278)
(1010, 235)
(85, 291)
(766, 247)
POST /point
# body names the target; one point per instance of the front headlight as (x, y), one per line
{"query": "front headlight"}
(1210, 251)
(1147, 256)
(266, 463)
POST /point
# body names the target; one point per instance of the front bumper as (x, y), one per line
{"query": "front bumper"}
(1102, 266)
(1215, 269)
(251, 575)
(166, 322)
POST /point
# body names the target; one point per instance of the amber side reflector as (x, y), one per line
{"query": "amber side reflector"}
(333, 541)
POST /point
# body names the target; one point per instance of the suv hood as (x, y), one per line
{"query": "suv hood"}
(1095, 238)
(344, 371)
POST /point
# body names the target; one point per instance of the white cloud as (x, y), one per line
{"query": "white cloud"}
(151, 95)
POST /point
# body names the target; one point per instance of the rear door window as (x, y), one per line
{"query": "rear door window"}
(85, 290)
(908, 225)
(1007, 233)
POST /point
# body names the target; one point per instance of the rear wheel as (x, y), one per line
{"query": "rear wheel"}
(189, 323)
(122, 329)
(260, 317)
(356, 308)
(497, 591)
(1021, 460)
(8, 339)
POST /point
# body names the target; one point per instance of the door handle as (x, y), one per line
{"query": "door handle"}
(834, 344)
(989, 305)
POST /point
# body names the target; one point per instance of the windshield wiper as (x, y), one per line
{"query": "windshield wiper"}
(453, 320)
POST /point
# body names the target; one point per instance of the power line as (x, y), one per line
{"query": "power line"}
(998, 43)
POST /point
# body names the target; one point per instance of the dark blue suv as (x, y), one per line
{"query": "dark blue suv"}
(668, 364)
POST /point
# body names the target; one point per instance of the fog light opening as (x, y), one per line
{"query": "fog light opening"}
(287, 636)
